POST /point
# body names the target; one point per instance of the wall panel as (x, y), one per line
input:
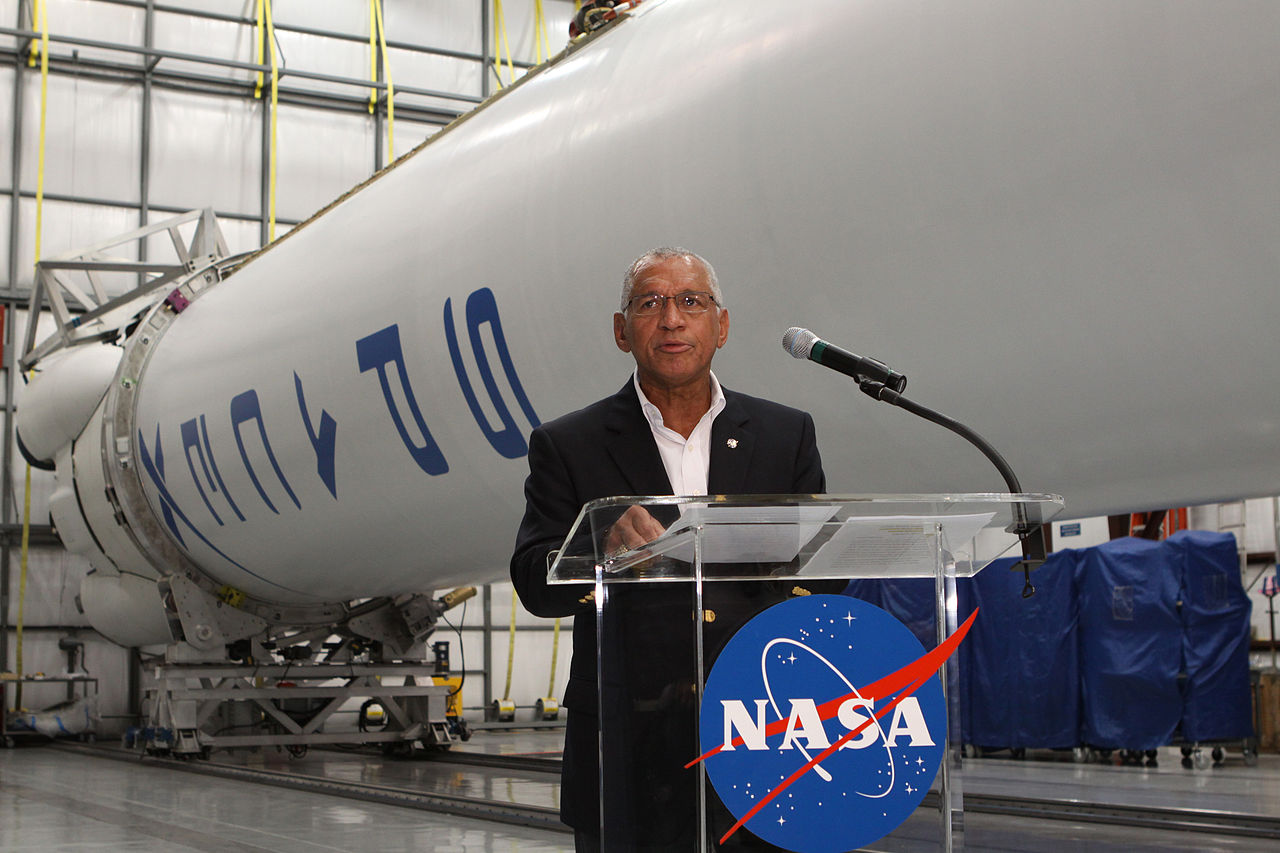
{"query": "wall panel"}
(322, 154)
(6, 126)
(182, 33)
(449, 24)
(439, 74)
(53, 582)
(206, 151)
(103, 22)
(9, 18)
(322, 55)
(70, 226)
(92, 137)
(409, 135)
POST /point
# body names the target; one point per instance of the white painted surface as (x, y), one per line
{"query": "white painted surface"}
(1059, 221)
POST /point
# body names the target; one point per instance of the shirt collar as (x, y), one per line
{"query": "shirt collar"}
(654, 415)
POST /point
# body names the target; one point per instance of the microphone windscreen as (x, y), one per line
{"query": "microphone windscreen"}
(799, 342)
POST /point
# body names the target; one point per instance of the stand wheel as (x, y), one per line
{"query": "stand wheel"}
(1151, 758)
(1201, 759)
(1018, 753)
(1218, 755)
(1250, 756)
(10, 743)
(296, 750)
(1080, 755)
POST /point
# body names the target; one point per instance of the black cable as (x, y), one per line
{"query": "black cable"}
(462, 649)
(1026, 523)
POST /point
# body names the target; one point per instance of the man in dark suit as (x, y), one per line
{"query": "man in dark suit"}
(672, 429)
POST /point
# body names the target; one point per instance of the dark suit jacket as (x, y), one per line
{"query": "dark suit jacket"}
(605, 450)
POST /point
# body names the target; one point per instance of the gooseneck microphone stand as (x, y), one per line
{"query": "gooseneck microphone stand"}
(1026, 522)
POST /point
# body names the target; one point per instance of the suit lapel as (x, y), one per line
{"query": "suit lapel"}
(732, 445)
(632, 448)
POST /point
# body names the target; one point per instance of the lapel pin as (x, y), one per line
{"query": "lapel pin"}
(733, 442)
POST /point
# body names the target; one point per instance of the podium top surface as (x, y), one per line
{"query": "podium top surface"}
(720, 537)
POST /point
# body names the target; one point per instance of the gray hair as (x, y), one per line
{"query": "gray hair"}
(662, 254)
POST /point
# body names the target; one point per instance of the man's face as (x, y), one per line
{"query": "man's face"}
(672, 349)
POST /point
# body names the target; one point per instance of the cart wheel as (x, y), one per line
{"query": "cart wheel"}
(296, 750)
(1080, 755)
(1250, 756)
(9, 743)
(1018, 753)
(1187, 762)
(1186, 751)
(1201, 759)
(1218, 755)
(1151, 758)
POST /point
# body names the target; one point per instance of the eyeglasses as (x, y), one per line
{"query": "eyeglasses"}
(689, 302)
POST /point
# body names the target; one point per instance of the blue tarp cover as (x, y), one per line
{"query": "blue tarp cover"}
(1130, 644)
(1216, 613)
(1020, 662)
(1101, 654)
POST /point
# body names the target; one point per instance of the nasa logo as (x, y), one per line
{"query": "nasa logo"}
(823, 723)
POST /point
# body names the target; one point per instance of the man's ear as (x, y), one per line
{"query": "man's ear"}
(620, 332)
(724, 328)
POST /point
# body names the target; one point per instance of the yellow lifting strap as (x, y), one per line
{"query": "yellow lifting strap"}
(542, 47)
(511, 647)
(555, 652)
(378, 41)
(500, 28)
(266, 26)
(39, 13)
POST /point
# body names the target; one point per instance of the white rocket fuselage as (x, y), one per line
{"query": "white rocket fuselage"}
(1059, 220)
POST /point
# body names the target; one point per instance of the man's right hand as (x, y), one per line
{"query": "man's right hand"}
(635, 528)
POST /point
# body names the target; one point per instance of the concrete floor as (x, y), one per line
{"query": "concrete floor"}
(53, 799)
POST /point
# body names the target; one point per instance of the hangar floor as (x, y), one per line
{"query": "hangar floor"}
(76, 798)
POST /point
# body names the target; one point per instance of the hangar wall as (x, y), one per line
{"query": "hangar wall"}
(153, 108)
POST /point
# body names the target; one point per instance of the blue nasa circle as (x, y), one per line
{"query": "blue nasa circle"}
(785, 665)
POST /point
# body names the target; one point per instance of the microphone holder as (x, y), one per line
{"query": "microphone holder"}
(1026, 523)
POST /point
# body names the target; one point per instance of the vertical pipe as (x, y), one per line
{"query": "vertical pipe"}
(144, 144)
(486, 692)
(377, 119)
(484, 48)
(10, 353)
(265, 183)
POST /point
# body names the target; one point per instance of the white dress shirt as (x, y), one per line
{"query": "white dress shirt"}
(687, 461)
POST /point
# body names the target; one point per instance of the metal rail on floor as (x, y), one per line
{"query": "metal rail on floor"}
(1146, 817)
(512, 813)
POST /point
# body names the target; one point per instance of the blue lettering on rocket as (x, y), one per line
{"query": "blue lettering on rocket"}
(213, 463)
(171, 510)
(324, 443)
(191, 439)
(483, 308)
(157, 474)
(375, 352)
(245, 407)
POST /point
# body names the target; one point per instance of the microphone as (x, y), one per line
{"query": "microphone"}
(803, 343)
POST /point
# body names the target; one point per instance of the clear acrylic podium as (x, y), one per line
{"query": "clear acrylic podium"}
(666, 608)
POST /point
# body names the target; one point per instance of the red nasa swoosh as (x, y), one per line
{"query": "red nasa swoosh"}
(911, 677)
